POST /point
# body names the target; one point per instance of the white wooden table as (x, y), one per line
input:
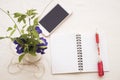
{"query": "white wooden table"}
(86, 16)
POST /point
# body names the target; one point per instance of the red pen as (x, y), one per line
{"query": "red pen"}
(100, 63)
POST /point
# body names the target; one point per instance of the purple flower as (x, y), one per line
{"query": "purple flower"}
(45, 43)
(39, 50)
(38, 29)
(42, 52)
(19, 49)
(15, 42)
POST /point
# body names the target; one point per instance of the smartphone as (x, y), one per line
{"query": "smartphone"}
(50, 22)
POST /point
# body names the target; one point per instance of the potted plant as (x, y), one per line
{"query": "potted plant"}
(29, 41)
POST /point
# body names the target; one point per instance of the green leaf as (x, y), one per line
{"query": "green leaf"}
(12, 32)
(8, 12)
(22, 18)
(24, 36)
(30, 28)
(43, 47)
(22, 31)
(17, 14)
(33, 53)
(2, 37)
(21, 57)
(19, 19)
(15, 26)
(12, 39)
(24, 26)
(26, 50)
(32, 16)
(19, 41)
(35, 34)
(31, 12)
(36, 21)
(9, 28)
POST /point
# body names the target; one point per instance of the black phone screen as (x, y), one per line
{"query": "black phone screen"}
(53, 18)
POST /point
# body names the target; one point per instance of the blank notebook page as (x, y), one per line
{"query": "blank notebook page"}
(65, 55)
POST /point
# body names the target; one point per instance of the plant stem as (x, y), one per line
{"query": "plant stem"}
(30, 25)
(29, 22)
(11, 19)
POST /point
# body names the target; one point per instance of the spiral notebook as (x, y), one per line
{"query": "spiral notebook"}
(73, 53)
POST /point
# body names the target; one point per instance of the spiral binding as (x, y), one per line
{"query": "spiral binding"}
(79, 52)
